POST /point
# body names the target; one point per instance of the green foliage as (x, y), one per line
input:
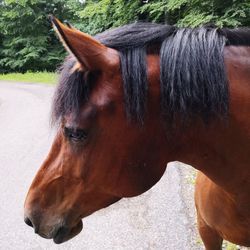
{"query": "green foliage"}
(229, 13)
(155, 11)
(229, 246)
(97, 16)
(27, 41)
(193, 13)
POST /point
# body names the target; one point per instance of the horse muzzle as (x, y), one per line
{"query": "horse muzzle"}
(63, 234)
(59, 232)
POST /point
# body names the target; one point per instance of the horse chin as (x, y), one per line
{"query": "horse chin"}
(65, 234)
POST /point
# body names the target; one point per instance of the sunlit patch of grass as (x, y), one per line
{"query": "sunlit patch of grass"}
(191, 177)
(230, 246)
(199, 241)
(225, 246)
(31, 77)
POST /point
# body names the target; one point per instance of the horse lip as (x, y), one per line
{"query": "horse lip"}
(44, 235)
(64, 233)
(60, 235)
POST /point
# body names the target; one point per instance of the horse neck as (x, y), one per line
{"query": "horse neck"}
(214, 150)
(221, 150)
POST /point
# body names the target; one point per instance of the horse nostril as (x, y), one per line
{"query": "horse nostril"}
(28, 221)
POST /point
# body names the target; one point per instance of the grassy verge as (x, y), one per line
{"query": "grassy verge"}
(31, 77)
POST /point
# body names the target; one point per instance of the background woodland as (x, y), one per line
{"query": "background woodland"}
(28, 43)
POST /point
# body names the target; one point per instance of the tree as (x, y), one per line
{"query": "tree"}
(229, 13)
(28, 41)
(97, 16)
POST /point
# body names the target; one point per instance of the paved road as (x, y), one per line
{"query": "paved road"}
(162, 218)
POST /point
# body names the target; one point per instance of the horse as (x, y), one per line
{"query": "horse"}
(134, 98)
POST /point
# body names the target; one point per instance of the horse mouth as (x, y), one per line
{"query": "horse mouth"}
(65, 234)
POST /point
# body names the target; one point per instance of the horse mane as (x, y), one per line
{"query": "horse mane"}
(193, 77)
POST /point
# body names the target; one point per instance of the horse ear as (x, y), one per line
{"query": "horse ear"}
(91, 54)
(69, 25)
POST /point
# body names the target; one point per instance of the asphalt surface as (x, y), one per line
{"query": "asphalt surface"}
(162, 218)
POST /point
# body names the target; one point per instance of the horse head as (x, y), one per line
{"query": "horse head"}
(98, 155)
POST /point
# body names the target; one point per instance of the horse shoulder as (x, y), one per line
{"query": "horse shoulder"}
(222, 212)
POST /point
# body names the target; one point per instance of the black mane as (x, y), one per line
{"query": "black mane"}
(193, 76)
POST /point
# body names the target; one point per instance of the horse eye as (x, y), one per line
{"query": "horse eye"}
(75, 135)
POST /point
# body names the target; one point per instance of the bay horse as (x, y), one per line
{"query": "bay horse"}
(134, 98)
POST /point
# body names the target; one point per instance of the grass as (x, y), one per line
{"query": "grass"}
(230, 246)
(31, 77)
(225, 246)
(191, 177)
